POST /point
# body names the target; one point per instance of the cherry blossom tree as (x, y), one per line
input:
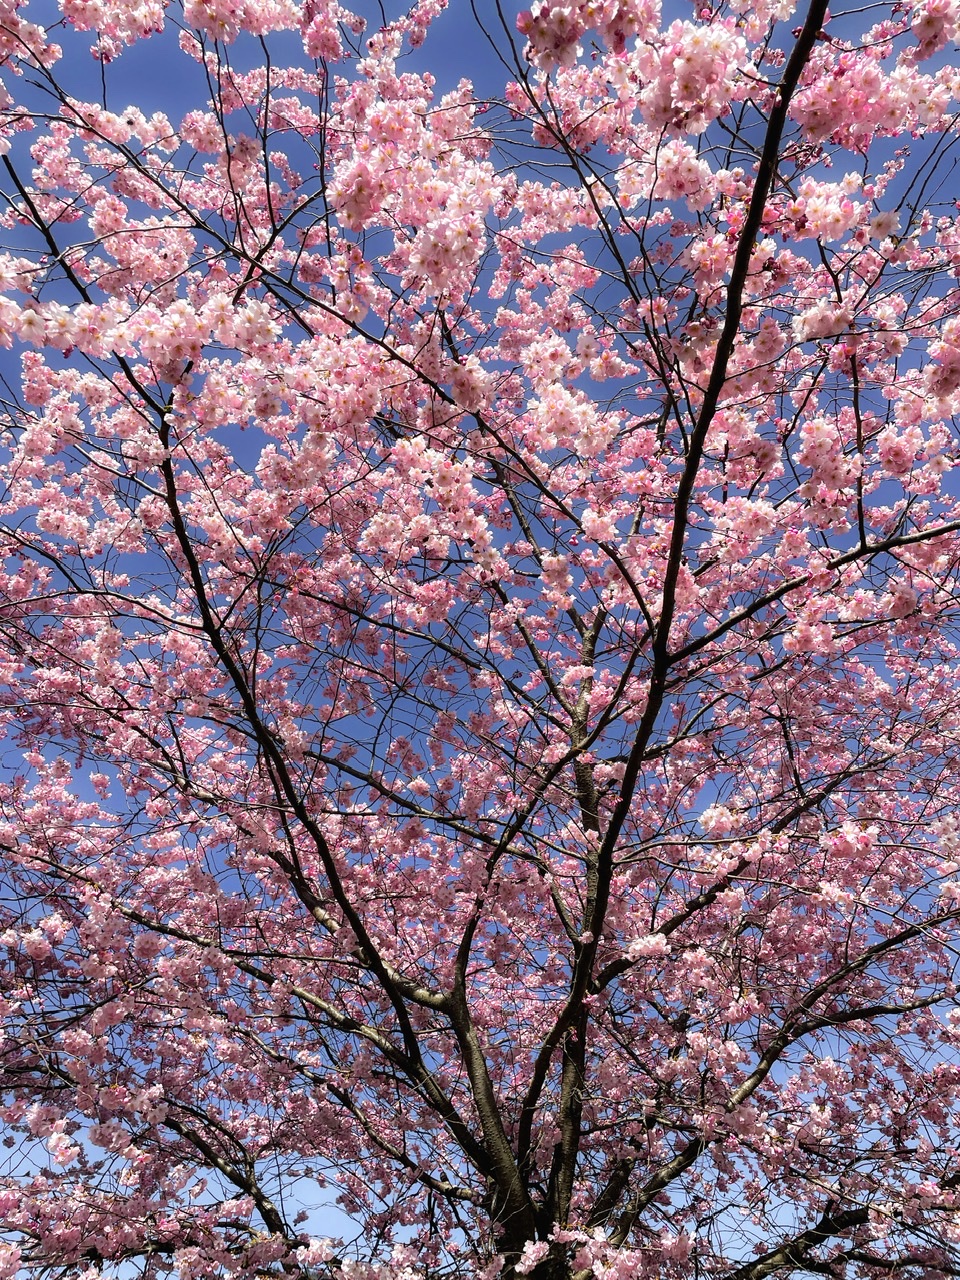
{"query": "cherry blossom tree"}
(480, 607)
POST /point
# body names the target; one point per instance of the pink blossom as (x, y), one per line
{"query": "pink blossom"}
(63, 1151)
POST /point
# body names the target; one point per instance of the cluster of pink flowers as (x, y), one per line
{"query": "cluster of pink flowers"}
(824, 210)
(822, 451)
(942, 377)
(934, 23)
(853, 98)
(674, 172)
(692, 77)
(555, 30)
